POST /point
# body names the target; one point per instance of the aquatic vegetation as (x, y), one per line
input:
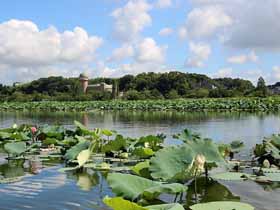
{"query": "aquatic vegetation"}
(231, 104)
(145, 173)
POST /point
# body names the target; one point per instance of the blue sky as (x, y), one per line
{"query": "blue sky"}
(219, 38)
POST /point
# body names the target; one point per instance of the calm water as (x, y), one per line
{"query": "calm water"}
(43, 187)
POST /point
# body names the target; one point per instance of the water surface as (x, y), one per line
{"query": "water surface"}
(43, 187)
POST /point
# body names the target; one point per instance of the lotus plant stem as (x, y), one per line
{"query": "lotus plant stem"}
(195, 186)
(175, 199)
(181, 197)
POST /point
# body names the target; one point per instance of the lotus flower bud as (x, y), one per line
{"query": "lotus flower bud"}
(146, 144)
(266, 164)
(199, 162)
(15, 126)
(33, 130)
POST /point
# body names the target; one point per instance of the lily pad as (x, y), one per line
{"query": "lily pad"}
(231, 176)
(15, 148)
(222, 205)
(171, 206)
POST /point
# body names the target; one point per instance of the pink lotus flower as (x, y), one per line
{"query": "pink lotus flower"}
(33, 130)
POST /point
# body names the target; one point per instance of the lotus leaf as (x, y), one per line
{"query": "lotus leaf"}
(171, 206)
(143, 153)
(74, 151)
(222, 205)
(115, 145)
(231, 176)
(274, 177)
(171, 163)
(5, 135)
(53, 131)
(15, 148)
(142, 169)
(187, 135)
(131, 187)
(119, 203)
(83, 130)
(207, 148)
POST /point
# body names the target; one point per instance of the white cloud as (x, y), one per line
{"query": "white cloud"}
(165, 32)
(148, 51)
(131, 19)
(26, 52)
(200, 52)
(243, 24)
(23, 44)
(205, 22)
(241, 59)
(182, 33)
(275, 76)
(125, 51)
(163, 3)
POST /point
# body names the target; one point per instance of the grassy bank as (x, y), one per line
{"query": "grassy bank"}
(235, 104)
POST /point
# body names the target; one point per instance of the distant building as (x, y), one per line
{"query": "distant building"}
(102, 87)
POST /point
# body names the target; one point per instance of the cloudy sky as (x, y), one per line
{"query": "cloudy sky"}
(220, 38)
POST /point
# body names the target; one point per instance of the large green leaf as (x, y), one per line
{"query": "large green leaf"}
(143, 153)
(131, 187)
(74, 151)
(207, 148)
(119, 203)
(115, 145)
(142, 169)
(171, 163)
(171, 206)
(15, 148)
(187, 135)
(83, 157)
(53, 131)
(173, 188)
(222, 205)
(231, 176)
(83, 129)
(4, 135)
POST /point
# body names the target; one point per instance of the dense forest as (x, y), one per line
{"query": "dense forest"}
(170, 85)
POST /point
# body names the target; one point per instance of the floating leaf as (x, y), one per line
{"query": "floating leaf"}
(171, 206)
(121, 204)
(231, 176)
(15, 148)
(222, 205)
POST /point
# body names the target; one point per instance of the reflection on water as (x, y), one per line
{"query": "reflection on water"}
(85, 189)
(208, 191)
(220, 126)
(43, 187)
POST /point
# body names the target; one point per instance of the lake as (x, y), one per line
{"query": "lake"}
(43, 187)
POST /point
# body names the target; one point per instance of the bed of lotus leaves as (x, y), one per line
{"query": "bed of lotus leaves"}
(251, 104)
(143, 171)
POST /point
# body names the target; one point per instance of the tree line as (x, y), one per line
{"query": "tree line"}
(171, 85)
